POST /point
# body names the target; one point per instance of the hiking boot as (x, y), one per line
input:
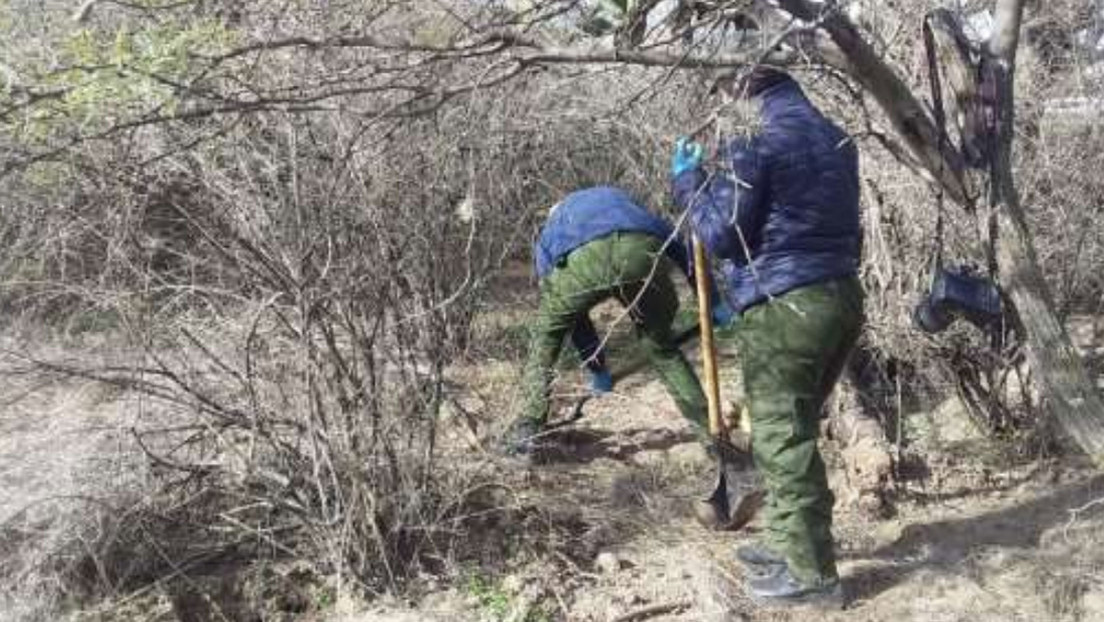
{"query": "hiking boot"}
(782, 589)
(759, 559)
(520, 438)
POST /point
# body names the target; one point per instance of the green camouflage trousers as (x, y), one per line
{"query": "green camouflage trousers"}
(792, 351)
(622, 266)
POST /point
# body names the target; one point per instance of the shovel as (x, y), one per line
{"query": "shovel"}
(730, 505)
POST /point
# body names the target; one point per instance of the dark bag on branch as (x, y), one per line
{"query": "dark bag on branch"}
(958, 293)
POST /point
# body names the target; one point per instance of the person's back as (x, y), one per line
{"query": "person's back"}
(795, 200)
(813, 185)
(600, 244)
(592, 213)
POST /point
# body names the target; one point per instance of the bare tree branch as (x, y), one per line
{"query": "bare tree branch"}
(909, 118)
(1006, 29)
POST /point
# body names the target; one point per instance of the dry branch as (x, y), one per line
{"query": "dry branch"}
(909, 118)
(653, 610)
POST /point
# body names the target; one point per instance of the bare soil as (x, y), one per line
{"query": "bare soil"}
(602, 529)
(979, 533)
(967, 542)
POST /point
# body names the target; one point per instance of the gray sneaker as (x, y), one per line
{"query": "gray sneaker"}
(759, 558)
(520, 439)
(782, 589)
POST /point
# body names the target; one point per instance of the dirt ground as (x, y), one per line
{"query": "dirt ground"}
(602, 531)
(64, 455)
(976, 535)
(984, 543)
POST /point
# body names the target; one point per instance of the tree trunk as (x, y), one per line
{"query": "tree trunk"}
(1066, 387)
(1068, 391)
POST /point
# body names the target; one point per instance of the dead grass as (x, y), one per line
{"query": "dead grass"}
(979, 541)
(66, 469)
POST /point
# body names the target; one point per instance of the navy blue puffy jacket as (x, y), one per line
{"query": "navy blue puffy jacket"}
(795, 204)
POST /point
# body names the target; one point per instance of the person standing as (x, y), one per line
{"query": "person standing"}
(780, 214)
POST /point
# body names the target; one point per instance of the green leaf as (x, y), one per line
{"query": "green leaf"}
(621, 7)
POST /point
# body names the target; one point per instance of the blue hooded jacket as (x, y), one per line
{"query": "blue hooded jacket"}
(590, 214)
(593, 213)
(791, 192)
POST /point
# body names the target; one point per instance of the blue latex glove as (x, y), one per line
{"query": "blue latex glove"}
(601, 381)
(688, 156)
(722, 314)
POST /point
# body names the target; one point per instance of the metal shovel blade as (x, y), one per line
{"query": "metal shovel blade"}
(731, 505)
(713, 511)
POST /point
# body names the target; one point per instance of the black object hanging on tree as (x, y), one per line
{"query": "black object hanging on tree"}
(959, 291)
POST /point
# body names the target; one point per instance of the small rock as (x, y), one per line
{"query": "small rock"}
(533, 591)
(655, 437)
(954, 423)
(617, 449)
(595, 539)
(1092, 605)
(472, 403)
(607, 562)
(707, 515)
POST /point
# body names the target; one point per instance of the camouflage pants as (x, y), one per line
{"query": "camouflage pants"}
(622, 266)
(792, 351)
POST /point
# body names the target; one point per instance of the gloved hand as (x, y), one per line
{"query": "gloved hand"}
(688, 156)
(601, 381)
(722, 314)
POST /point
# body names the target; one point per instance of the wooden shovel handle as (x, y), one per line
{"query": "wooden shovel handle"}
(708, 350)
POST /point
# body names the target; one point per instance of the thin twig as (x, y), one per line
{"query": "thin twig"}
(653, 610)
(1075, 513)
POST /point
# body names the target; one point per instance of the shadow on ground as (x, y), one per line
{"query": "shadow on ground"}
(570, 445)
(945, 545)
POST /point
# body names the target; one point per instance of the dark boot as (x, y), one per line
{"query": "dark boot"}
(759, 559)
(782, 589)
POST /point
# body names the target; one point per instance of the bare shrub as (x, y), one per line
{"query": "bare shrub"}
(290, 293)
(291, 229)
